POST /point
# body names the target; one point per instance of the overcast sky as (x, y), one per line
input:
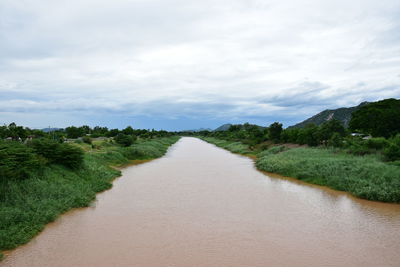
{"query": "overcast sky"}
(187, 64)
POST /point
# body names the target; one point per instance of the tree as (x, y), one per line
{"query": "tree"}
(328, 129)
(128, 131)
(380, 119)
(74, 132)
(275, 130)
(124, 140)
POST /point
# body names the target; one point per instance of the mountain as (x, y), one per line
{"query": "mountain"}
(341, 114)
(224, 127)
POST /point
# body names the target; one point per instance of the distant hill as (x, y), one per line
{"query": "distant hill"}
(224, 127)
(199, 130)
(341, 114)
(47, 130)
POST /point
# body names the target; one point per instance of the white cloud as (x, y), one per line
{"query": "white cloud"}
(220, 58)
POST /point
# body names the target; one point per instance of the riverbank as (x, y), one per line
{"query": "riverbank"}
(366, 177)
(27, 205)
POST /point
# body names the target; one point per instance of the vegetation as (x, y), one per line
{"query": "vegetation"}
(365, 177)
(42, 179)
(368, 167)
(381, 118)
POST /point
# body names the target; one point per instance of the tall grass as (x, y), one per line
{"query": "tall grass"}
(27, 205)
(366, 176)
(233, 146)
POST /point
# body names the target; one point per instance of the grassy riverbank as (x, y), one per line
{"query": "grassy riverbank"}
(367, 177)
(27, 205)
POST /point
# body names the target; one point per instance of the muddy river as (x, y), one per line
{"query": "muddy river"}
(203, 206)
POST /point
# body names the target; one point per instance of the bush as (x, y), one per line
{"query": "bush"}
(124, 140)
(69, 156)
(392, 152)
(336, 140)
(17, 161)
(87, 140)
(64, 154)
(378, 143)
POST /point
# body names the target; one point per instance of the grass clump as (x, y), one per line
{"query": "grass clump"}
(28, 204)
(366, 176)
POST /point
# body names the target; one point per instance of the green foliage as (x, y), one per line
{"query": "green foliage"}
(58, 153)
(17, 161)
(26, 205)
(235, 147)
(378, 143)
(392, 152)
(365, 177)
(74, 132)
(380, 119)
(86, 139)
(275, 130)
(335, 140)
(124, 140)
(271, 151)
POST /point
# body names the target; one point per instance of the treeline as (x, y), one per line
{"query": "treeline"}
(20, 133)
(24, 152)
(373, 128)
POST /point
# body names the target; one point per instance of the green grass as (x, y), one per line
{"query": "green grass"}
(366, 177)
(233, 146)
(27, 205)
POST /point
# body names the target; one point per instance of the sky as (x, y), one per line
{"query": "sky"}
(185, 64)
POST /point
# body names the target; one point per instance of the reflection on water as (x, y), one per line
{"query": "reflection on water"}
(203, 206)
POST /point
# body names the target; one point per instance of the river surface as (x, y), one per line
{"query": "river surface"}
(203, 206)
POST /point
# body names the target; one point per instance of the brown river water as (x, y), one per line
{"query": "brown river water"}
(203, 206)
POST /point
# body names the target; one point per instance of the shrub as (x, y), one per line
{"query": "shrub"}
(124, 140)
(86, 139)
(17, 161)
(64, 154)
(378, 143)
(69, 156)
(336, 140)
(392, 152)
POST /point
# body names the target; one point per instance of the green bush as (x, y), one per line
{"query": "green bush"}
(392, 152)
(86, 139)
(54, 152)
(377, 143)
(124, 140)
(17, 161)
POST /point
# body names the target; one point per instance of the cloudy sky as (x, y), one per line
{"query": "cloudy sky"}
(184, 64)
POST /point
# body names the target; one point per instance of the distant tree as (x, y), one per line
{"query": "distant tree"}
(128, 131)
(380, 119)
(124, 140)
(112, 133)
(74, 132)
(308, 135)
(328, 129)
(275, 130)
(336, 140)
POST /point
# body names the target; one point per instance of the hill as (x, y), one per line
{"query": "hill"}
(224, 127)
(341, 114)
